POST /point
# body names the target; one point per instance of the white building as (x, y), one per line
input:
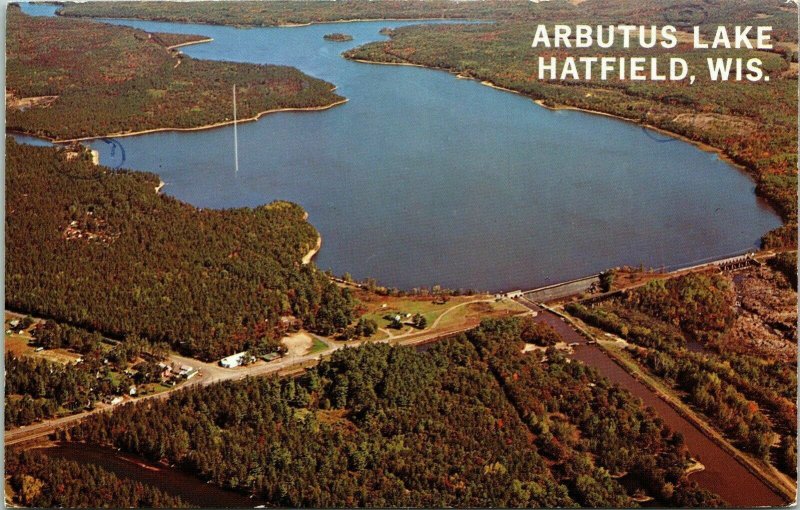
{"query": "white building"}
(234, 360)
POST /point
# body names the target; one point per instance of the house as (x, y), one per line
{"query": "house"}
(234, 360)
(187, 371)
(166, 370)
(132, 390)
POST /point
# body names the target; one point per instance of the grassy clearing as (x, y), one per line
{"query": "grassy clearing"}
(18, 344)
(317, 346)
(474, 312)
(456, 314)
(378, 307)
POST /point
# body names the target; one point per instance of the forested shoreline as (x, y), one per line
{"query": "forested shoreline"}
(119, 80)
(472, 422)
(288, 13)
(44, 482)
(726, 116)
(113, 256)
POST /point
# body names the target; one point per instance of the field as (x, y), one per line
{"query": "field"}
(442, 314)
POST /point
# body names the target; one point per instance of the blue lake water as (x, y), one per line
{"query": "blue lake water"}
(423, 179)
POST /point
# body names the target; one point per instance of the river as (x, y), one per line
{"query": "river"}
(723, 474)
(423, 179)
(169, 479)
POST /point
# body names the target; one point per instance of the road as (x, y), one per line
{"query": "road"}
(212, 373)
(562, 290)
(208, 373)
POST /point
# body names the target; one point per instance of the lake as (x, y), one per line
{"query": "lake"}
(423, 179)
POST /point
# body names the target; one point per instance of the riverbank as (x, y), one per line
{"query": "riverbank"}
(726, 470)
(776, 480)
(770, 476)
(172, 480)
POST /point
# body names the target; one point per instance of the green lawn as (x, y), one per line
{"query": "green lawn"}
(317, 346)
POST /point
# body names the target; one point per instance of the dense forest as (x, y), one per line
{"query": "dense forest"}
(99, 249)
(112, 79)
(752, 124)
(280, 12)
(471, 422)
(37, 389)
(749, 397)
(39, 481)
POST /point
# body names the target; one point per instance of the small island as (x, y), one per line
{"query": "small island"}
(338, 37)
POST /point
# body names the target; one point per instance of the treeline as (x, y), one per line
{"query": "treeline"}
(749, 399)
(473, 422)
(37, 389)
(701, 305)
(730, 411)
(755, 126)
(114, 79)
(786, 263)
(53, 335)
(39, 481)
(253, 13)
(207, 282)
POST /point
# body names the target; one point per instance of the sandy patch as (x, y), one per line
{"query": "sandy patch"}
(29, 102)
(298, 344)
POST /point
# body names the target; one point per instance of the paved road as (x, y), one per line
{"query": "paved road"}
(563, 290)
(211, 373)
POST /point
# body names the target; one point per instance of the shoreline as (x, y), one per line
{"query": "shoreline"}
(275, 25)
(558, 107)
(354, 20)
(697, 143)
(189, 43)
(196, 128)
(306, 260)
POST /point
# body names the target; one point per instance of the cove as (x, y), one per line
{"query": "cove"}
(423, 179)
